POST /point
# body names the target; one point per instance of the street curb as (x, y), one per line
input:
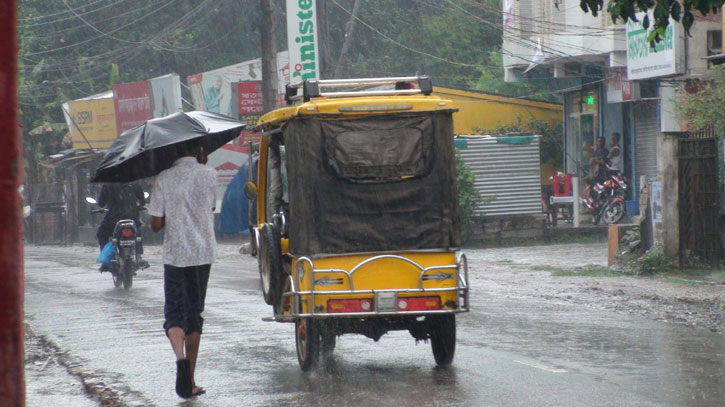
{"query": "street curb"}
(94, 388)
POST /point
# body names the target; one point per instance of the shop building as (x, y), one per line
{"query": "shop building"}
(609, 77)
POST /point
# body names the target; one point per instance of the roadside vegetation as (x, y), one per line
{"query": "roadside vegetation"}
(468, 197)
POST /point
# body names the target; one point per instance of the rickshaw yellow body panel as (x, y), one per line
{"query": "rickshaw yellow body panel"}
(418, 275)
(355, 107)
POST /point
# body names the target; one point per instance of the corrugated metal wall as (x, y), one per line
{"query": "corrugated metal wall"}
(511, 172)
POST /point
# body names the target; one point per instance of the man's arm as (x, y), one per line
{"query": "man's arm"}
(157, 223)
(156, 209)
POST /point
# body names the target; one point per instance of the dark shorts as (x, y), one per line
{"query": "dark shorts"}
(185, 292)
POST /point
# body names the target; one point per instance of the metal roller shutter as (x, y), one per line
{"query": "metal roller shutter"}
(646, 127)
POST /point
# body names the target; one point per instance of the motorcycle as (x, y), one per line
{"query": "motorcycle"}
(605, 199)
(127, 248)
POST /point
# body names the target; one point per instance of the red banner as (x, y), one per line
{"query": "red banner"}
(250, 98)
(133, 105)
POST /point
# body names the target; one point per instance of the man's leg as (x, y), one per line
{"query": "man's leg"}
(196, 284)
(103, 234)
(176, 306)
(177, 337)
(192, 351)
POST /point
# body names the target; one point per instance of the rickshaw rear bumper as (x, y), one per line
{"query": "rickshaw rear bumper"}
(386, 303)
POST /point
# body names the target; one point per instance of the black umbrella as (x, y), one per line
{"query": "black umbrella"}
(150, 148)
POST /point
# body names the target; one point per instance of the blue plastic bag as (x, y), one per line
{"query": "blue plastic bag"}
(106, 254)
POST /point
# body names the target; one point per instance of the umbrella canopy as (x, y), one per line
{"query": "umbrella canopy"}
(148, 149)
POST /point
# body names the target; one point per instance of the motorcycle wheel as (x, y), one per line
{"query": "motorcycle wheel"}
(613, 213)
(117, 280)
(127, 279)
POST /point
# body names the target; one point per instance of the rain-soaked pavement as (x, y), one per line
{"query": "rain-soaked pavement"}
(511, 351)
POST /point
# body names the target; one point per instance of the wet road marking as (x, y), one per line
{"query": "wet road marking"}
(540, 366)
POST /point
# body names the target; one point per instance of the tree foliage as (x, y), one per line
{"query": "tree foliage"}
(75, 48)
(468, 196)
(703, 106)
(681, 11)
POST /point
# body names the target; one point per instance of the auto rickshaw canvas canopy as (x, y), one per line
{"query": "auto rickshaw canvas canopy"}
(370, 184)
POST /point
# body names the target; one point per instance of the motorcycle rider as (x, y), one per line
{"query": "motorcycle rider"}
(123, 201)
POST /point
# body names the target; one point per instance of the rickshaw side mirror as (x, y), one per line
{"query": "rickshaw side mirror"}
(250, 190)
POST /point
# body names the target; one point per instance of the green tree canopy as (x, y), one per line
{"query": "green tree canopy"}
(682, 11)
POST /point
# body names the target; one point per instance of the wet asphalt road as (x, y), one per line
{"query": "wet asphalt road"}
(511, 351)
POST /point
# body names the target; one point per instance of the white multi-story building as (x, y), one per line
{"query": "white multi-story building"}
(610, 79)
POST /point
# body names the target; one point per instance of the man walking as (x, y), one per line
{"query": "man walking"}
(182, 202)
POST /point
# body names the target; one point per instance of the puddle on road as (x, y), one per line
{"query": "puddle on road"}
(686, 365)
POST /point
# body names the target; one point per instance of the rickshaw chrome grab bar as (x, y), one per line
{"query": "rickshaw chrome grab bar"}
(461, 287)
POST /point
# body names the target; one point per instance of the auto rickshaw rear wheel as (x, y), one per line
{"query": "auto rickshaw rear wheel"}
(328, 339)
(442, 333)
(307, 338)
(270, 264)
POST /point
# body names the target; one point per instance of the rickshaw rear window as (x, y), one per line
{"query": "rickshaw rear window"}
(379, 155)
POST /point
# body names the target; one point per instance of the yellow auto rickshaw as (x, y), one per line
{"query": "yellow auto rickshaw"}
(357, 227)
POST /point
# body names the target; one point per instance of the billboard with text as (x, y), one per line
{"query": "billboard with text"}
(212, 91)
(166, 95)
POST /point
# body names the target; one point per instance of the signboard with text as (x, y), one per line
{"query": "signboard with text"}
(302, 40)
(619, 89)
(249, 98)
(133, 105)
(93, 123)
(645, 61)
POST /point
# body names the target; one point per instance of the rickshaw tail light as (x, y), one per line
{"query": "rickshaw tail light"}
(354, 305)
(419, 303)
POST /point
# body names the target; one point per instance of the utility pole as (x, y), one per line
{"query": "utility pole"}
(268, 29)
(323, 34)
(12, 383)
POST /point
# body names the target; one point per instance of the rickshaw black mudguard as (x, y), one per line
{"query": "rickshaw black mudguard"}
(333, 213)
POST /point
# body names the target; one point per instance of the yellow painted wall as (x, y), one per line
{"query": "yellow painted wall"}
(488, 111)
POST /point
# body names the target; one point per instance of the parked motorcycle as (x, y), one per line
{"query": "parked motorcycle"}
(605, 200)
(127, 248)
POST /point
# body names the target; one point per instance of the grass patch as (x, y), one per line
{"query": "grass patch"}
(684, 281)
(590, 270)
(696, 276)
(577, 238)
(547, 268)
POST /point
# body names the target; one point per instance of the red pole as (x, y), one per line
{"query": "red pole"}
(12, 383)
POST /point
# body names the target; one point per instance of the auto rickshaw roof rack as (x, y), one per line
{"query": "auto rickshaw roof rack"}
(312, 88)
